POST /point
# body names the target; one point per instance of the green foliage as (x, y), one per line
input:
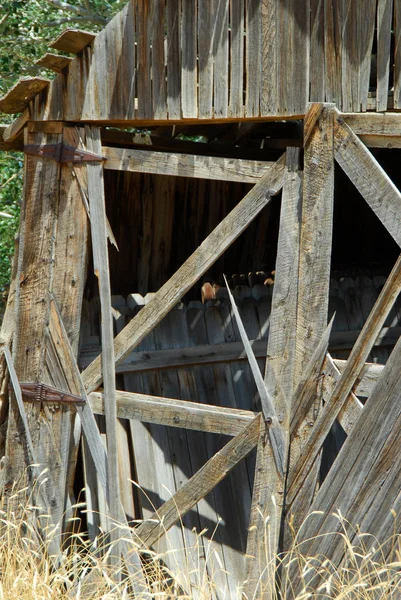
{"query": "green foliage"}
(26, 28)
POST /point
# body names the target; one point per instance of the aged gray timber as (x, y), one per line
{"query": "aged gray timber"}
(197, 264)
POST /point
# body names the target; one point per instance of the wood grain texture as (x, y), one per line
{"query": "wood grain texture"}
(368, 177)
(19, 96)
(344, 386)
(175, 413)
(159, 91)
(73, 40)
(397, 53)
(200, 484)
(221, 83)
(237, 50)
(185, 165)
(101, 267)
(253, 54)
(269, 51)
(54, 62)
(189, 74)
(197, 264)
(384, 21)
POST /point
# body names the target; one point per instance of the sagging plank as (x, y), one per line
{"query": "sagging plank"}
(175, 413)
(355, 363)
(368, 176)
(13, 130)
(54, 62)
(19, 96)
(185, 165)
(73, 40)
(200, 484)
(195, 266)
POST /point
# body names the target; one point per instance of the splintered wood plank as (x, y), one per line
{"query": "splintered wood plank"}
(362, 475)
(54, 62)
(220, 55)
(351, 411)
(185, 165)
(269, 89)
(196, 265)
(317, 58)
(200, 484)
(159, 92)
(73, 40)
(253, 53)
(175, 413)
(384, 20)
(19, 96)
(397, 53)
(237, 42)
(368, 177)
(173, 60)
(355, 363)
(266, 511)
(368, 378)
(189, 78)
(143, 33)
(101, 267)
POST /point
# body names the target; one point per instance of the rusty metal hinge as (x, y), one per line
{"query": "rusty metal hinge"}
(61, 153)
(40, 392)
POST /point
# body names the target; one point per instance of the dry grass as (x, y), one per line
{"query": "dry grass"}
(369, 571)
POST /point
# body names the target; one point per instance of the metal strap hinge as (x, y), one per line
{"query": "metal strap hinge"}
(40, 392)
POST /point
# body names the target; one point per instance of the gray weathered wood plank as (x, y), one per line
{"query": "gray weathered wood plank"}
(384, 19)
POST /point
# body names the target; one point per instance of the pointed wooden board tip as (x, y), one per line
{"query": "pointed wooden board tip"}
(19, 96)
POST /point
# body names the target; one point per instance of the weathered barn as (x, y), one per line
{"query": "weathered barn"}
(185, 141)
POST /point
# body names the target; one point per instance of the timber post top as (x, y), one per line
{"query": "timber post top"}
(166, 62)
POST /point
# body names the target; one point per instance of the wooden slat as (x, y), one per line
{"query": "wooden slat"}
(237, 40)
(101, 267)
(185, 165)
(365, 32)
(19, 96)
(143, 36)
(173, 60)
(385, 124)
(397, 53)
(54, 62)
(253, 47)
(368, 177)
(384, 20)
(269, 88)
(200, 484)
(175, 413)
(197, 264)
(73, 40)
(159, 91)
(355, 363)
(333, 50)
(317, 58)
(220, 55)
(189, 76)
(368, 378)
(205, 50)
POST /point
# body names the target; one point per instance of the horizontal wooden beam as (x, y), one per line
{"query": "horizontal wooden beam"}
(368, 378)
(372, 123)
(175, 413)
(185, 165)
